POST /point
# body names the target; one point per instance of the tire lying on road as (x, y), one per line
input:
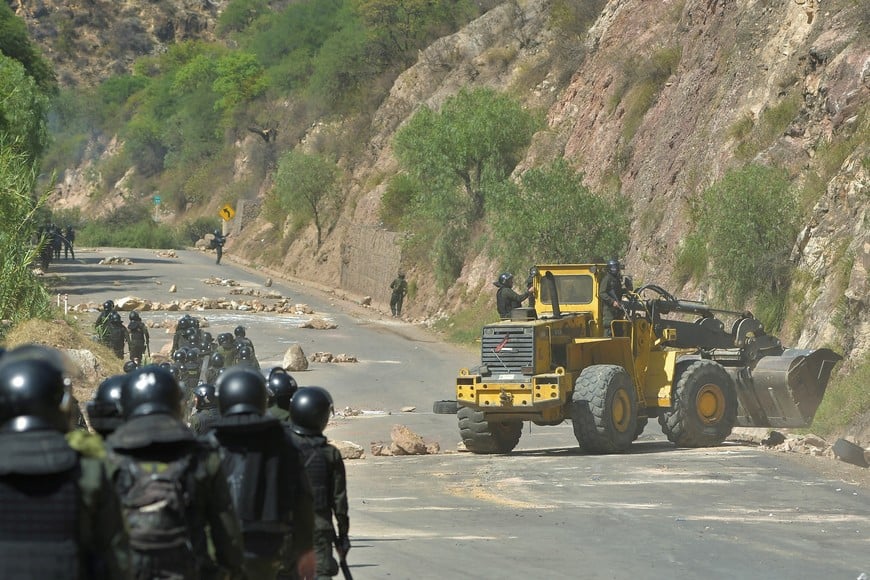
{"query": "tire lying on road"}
(445, 407)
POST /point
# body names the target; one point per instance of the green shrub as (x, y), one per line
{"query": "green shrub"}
(553, 217)
(643, 81)
(749, 221)
(846, 398)
(401, 191)
(691, 263)
(129, 226)
(193, 230)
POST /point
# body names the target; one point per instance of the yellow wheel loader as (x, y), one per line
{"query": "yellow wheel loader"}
(666, 358)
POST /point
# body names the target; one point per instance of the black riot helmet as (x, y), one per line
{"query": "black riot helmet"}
(225, 339)
(239, 332)
(310, 410)
(245, 353)
(134, 316)
(282, 386)
(613, 267)
(193, 355)
(104, 411)
(217, 360)
(207, 338)
(506, 279)
(115, 318)
(204, 396)
(180, 356)
(34, 390)
(108, 305)
(184, 322)
(241, 390)
(130, 366)
(151, 390)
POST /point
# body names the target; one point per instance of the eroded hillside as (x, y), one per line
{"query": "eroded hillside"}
(655, 102)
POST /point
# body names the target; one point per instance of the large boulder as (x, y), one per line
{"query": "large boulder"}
(406, 442)
(294, 359)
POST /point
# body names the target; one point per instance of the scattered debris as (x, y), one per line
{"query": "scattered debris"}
(409, 409)
(282, 306)
(167, 253)
(268, 283)
(215, 281)
(366, 301)
(328, 357)
(271, 294)
(319, 324)
(115, 260)
(173, 289)
(349, 449)
(404, 442)
(773, 439)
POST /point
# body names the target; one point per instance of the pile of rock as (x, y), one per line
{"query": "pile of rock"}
(270, 294)
(319, 324)
(328, 357)
(215, 281)
(283, 306)
(404, 442)
(115, 260)
(167, 253)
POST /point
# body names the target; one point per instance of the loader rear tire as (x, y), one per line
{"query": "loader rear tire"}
(482, 436)
(604, 409)
(703, 406)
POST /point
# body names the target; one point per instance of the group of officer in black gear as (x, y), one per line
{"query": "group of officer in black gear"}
(50, 239)
(147, 496)
(110, 331)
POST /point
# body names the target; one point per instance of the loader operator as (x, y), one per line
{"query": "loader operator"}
(610, 293)
(506, 298)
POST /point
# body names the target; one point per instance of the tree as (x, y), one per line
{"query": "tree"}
(15, 44)
(23, 109)
(478, 136)
(305, 185)
(551, 216)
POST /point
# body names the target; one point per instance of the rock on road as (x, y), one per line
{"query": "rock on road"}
(546, 510)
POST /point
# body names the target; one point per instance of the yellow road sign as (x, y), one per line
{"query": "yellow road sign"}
(227, 212)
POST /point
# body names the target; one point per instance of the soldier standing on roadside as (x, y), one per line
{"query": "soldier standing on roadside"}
(219, 241)
(399, 289)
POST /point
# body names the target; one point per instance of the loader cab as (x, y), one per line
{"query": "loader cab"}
(573, 290)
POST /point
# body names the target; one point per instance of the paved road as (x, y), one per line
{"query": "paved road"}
(544, 511)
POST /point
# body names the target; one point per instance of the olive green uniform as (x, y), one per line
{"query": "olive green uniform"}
(156, 440)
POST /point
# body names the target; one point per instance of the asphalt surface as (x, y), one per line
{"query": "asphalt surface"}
(546, 510)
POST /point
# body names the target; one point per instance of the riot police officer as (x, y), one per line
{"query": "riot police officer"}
(117, 335)
(103, 321)
(310, 410)
(104, 410)
(610, 292)
(227, 348)
(254, 444)
(171, 484)
(140, 341)
(205, 412)
(60, 516)
(281, 386)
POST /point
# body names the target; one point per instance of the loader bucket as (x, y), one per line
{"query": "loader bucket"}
(783, 391)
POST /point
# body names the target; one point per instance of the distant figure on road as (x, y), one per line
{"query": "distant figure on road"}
(400, 288)
(219, 241)
(69, 239)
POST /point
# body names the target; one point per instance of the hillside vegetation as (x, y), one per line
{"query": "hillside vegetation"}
(717, 148)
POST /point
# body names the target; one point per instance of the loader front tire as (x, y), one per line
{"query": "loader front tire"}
(604, 409)
(482, 436)
(703, 406)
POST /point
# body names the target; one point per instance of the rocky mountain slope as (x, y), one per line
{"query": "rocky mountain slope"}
(656, 101)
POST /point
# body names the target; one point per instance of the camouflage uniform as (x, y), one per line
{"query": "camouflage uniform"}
(610, 290)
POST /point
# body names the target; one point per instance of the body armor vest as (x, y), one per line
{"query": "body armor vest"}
(39, 525)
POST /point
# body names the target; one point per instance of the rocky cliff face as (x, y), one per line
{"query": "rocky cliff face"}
(88, 40)
(656, 102)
